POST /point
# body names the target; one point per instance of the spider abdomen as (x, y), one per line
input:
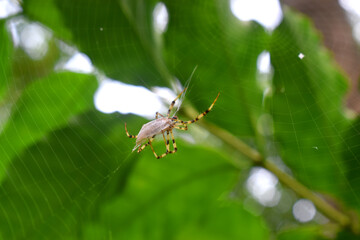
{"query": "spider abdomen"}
(153, 128)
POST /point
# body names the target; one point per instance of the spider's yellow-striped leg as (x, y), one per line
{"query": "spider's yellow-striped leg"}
(181, 127)
(202, 114)
(145, 145)
(167, 152)
(157, 115)
(173, 102)
(127, 133)
(167, 141)
(173, 141)
(152, 148)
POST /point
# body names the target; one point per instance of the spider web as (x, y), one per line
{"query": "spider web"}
(67, 170)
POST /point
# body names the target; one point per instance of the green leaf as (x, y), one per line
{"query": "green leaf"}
(351, 159)
(47, 13)
(26, 69)
(306, 104)
(347, 235)
(207, 35)
(185, 196)
(59, 182)
(44, 106)
(6, 51)
(116, 35)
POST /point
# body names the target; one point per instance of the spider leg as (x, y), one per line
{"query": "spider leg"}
(167, 146)
(173, 141)
(173, 102)
(167, 141)
(145, 145)
(157, 115)
(181, 126)
(127, 133)
(152, 148)
(202, 114)
(142, 147)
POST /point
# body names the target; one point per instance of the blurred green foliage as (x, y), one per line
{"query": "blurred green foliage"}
(67, 171)
(307, 104)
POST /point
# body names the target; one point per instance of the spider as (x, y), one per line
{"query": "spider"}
(163, 124)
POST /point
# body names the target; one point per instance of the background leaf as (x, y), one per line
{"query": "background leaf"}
(122, 41)
(185, 197)
(48, 14)
(6, 50)
(45, 105)
(121, 45)
(59, 181)
(350, 154)
(306, 104)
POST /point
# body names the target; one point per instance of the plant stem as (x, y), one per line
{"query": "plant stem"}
(327, 209)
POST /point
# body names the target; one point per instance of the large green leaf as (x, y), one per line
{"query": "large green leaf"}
(183, 196)
(58, 182)
(26, 69)
(47, 13)
(122, 44)
(206, 34)
(116, 35)
(6, 49)
(351, 159)
(347, 235)
(306, 104)
(44, 105)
